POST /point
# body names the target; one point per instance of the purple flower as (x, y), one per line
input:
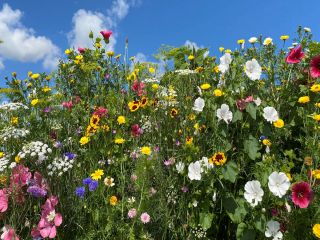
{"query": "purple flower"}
(37, 191)
(70, 155)
(184, 189)
(87, 181)
(93, 185)
(47, 110)
(80, 191)
(107, 76)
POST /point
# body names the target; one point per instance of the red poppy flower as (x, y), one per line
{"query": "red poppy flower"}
(295, 55)
(301, 194)
(315, 67)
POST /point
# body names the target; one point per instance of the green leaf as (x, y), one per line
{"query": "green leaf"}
(206, 220)
(230, 171)
(260, 223)
(237, 116)
(245, 233)
(252, 147)
(252, 110)
(236, 210)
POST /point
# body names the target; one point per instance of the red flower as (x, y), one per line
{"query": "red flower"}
(301, 194)
(81, 50)
(136, 131)
(106, 34)
(3, 200)
(295, 55)
(315, 67)
(9, 234)
(138, 87)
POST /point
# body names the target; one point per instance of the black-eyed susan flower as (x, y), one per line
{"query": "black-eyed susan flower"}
(134, 105)
(94, 121)
(189, 140)
(143, 102)
(173, 112)
(218, 159)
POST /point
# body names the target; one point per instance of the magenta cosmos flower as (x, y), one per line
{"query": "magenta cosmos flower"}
(301, 194)
(145, 218)
(3, 200)
(315, 67)
(9, 234)
(295, 55)
(106, 34)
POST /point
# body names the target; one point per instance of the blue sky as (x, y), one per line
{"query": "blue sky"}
(36, 32)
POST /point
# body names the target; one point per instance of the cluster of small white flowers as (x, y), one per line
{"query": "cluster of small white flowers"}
(184, 72)
(169, 97)
(56, 126)
(60, 166)
(3, 163)
(12, 132)
(150, 80)
(12, 106)
(172, 195)
(36, 149)
(146, 124)
(199, 232)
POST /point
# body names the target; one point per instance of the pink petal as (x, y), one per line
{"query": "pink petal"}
(45, 232)
(58, 219)
(53, 232)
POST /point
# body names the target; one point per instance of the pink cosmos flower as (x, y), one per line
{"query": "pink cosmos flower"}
(9, 234)
(136, 131)
(101, 112)
(138, 87)
(3, 200)
(106, 34)
(49, 218)
(315, 67)
(81, 50)
(20, 176)
(295, 55)
(67, 105)
(132, 213)
(145, 218)
(301, 194)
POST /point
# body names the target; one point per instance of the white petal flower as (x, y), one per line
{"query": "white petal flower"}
(194, 171)
(225, 61)
(273, 230)
(278, 184)
(198, 105)
(253, 192)
(257, 101)
(205, 164)
(270, 114)
(253, 40)
(253, 69)
(180, 167)
(224, 113)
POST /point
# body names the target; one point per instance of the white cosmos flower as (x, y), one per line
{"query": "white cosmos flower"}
(224, 113)
(278, 184)
(225, 61)
(270, 114)
(205, 164)
(253, 69)
(257, 101)
(253, 192)
(194, 171)
(198, 104)
(273, 230)
(253, 40)
(180, 167)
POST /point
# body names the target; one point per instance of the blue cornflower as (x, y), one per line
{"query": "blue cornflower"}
(87, 181)
(70, 155)
(93, 185)
(80, 191)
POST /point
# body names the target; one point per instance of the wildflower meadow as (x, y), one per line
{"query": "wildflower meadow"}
(203, 147)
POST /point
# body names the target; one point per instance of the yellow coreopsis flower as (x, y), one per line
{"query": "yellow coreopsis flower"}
(267, 41)
(304, 99)
(190, 57)
(151, 70)
(316, 173)
(316, 230)
(113, 200)
(189, 140)
(317, 105)
(97, 174)
(29, 74)
(216, 69)
(316, 117)
(121, 120)
(279, 123)
(284, 37)
(241, 41)
(110, 54)
(119, 140)
(228, 51)
(68, 51)
(34, 101)
(221, 49)
(266, 142)
(145, 150)
(217, 93)
(315, 88)
(84, 140)
(14, 120)
(218, 159)
(205, 86)
(46, 89)
(155, 86)
(35, 76)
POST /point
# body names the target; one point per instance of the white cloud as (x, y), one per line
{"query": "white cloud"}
(194, 45)
(85, 21)
(21, 43)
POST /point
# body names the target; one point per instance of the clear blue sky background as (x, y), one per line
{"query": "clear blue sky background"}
(209, 23)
